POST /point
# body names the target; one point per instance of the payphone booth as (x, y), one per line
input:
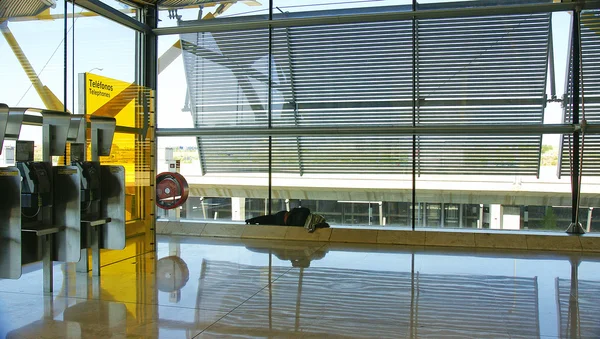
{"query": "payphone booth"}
(102, 190)
(40, 206)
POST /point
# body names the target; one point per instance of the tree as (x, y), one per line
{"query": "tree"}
(550, 219)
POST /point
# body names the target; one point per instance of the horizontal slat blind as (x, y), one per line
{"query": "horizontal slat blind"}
(481, 62)
(346, 75)
(590, 44)
(470, 70)
(478, 154)
(233, 154)
(227, 75)
(344, 154)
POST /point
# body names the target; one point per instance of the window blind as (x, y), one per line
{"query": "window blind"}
(476, 70)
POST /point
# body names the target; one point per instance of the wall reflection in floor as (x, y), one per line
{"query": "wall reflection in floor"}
(233, 288)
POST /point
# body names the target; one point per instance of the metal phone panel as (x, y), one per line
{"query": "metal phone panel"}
(67, 213)
(10, 223)
(56, 130)
(113, 206)
(103, 131)
(15, 120)
(31, 248)
(77, 128)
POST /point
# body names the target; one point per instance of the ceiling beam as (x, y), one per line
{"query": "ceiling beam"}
(113, 14)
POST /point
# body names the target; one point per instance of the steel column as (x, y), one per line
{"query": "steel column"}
(270, 106)
(414, 112)
(575, 227)
(150, 41)
(47, 269)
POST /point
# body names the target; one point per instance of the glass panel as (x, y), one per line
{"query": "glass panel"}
(32, 57)
(123, 7)
(493, 182)
(342, 179)
(174, 100)
(225, 78)
(221, 80)
(477, 181)
(33, 60)
(339, 6)
(217, 192)
(105, 53)
(590, 183)
(189, 12)
(448, 4)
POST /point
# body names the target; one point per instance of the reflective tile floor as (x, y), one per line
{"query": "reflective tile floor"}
(205, 288)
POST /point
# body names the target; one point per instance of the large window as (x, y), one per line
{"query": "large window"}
(469, 105)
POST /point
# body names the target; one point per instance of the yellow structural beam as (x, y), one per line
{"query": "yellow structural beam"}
(48, 98)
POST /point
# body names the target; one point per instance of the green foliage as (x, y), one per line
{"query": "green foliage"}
(549, 221)
(549, 155)
(547, 148)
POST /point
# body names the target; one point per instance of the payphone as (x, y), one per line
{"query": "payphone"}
(102, 190)
(40, 210)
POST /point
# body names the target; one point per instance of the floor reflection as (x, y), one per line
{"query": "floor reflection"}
(578, 306)
(224, 288)
(299, 254)
(63, 317)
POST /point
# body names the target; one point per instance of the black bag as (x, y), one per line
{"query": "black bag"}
(296, 217)
(275, 219)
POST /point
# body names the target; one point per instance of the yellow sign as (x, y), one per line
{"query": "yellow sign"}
(110, 98)
(116, 99)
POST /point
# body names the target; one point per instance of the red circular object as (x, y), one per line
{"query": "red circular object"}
(172, 190)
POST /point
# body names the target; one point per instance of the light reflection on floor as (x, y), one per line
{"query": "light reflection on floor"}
(209, 288)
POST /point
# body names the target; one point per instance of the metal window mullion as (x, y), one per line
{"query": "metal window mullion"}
(551, 69)
(269, 105)
(414, 113)
(575, 109)
(113, 14)
(430, 129)
(149, 74)
(417, 88)
(550, 54)
(194, 107)
(293, 92)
